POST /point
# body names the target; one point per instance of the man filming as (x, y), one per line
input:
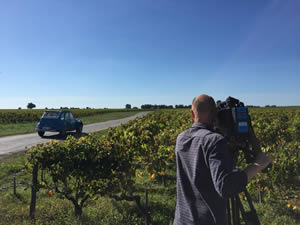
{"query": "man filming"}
(206, 178)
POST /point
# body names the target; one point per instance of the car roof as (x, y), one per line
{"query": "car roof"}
(52, 111)
(59, 111)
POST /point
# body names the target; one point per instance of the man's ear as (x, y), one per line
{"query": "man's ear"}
(193, 114)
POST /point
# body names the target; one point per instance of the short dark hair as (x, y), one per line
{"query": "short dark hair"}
(203, 106)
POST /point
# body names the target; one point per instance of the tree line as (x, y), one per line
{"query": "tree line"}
(150, 106)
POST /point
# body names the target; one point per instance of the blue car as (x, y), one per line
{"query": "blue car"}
(58, 121)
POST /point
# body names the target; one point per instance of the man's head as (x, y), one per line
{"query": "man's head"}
(203, 109)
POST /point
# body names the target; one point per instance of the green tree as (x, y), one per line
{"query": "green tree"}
(31, 105)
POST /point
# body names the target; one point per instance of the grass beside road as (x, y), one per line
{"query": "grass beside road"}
(25, 128)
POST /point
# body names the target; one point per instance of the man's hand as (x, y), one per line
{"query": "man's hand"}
(261, 161)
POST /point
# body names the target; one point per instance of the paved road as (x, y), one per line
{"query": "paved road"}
(13, 144)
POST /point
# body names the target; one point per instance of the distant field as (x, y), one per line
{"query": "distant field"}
(275, 109)
(26, 120)
(8, 116)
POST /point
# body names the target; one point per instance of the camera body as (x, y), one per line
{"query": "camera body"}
(233, 122)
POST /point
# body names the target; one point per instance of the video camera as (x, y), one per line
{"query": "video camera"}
(234, 123)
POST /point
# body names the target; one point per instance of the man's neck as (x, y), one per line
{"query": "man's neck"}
(209, 123)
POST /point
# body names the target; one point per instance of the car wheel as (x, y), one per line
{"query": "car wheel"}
(79, 129)
(41, 133)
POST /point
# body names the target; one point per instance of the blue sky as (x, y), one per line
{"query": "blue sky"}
(107, 53)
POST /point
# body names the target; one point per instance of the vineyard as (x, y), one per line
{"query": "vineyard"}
(131, 160)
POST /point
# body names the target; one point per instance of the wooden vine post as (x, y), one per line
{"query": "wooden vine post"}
(34, 189)
(148, 219)
(15, 186)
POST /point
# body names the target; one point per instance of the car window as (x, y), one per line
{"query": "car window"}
(67, 116)
(71, 116)
(49, 114)
(62, 116)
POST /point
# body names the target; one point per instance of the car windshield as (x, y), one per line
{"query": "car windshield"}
(50, 114)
